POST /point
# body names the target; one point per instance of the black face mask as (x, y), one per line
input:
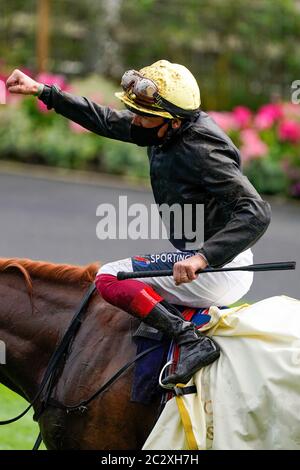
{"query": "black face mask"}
(146, 137)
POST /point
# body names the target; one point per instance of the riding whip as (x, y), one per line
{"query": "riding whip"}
(279, 266)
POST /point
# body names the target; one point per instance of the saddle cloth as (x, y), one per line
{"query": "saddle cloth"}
(250, 398)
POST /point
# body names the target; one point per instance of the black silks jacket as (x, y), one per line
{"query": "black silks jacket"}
(197, 164)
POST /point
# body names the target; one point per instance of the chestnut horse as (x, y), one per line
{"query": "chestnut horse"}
(37, 303)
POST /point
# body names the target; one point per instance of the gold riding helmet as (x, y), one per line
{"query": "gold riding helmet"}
(161, 89)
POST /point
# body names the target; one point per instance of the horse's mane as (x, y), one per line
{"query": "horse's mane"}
(50, 271)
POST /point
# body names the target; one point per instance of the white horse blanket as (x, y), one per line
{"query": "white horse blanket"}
(250, 397)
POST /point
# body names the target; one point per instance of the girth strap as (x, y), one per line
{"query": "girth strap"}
(178, 391)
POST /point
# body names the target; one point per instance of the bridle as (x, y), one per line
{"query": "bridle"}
(60, 353)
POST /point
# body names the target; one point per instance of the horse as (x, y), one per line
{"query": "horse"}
(37, 303)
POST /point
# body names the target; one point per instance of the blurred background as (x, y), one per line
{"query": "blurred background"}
(245, 57)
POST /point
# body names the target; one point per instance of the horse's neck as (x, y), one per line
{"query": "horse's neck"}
(30, 336)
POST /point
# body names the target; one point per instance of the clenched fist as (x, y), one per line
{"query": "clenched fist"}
(20, 83)
(185, 271)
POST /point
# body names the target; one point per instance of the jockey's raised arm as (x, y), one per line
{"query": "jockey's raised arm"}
(99, 119)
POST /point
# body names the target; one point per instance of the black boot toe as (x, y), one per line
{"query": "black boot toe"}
(193, 357)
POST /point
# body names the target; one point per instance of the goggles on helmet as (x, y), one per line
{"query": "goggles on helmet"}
(144, 92)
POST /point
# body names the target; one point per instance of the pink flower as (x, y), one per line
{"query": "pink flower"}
(252, 145)
(3, 90)
(291, 171)
(295, 190)
(77, 128)
(267, 115)
(291, 110)
(51, 79)
(289, 131)
(225, 120)
(242, 116)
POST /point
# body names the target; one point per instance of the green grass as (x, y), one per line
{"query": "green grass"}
(22, 434)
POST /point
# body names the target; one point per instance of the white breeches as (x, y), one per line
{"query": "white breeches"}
(220, 289)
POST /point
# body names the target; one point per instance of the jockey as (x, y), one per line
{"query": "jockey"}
(192, 161)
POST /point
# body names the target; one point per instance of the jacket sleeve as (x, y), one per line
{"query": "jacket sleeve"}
(221, 177)
(101, 120)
